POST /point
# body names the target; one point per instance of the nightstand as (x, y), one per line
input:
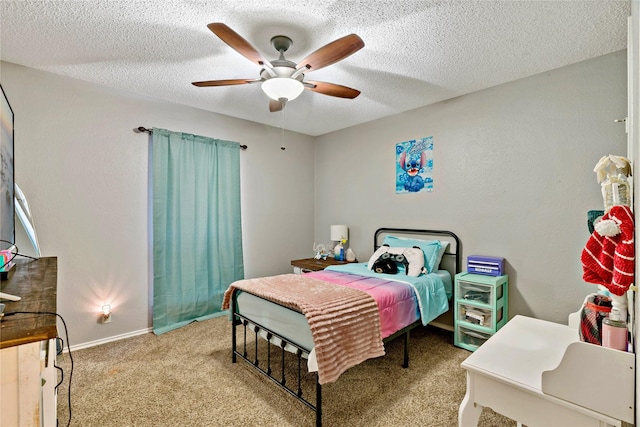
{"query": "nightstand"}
(481, 308)
(311, 264)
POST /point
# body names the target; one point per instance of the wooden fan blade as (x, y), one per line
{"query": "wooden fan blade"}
(333, 89)
(275, 105)
(332, 52)
(224, 82)
(237, 42)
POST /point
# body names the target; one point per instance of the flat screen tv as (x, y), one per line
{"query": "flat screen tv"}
(7, 201)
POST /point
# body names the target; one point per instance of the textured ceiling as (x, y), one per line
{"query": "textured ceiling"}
(416, 52)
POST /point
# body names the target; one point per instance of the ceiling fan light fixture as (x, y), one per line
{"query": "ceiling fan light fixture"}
(282, 87)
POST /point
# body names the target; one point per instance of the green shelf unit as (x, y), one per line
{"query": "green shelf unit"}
(481, 308)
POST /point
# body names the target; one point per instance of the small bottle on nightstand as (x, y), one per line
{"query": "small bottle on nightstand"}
(338, 252)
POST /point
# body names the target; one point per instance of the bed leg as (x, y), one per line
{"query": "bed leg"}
(405, 364)
(318, 404)
(233, 328)
(233, 342)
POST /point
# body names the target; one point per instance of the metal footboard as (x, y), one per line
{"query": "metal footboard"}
(250, 326)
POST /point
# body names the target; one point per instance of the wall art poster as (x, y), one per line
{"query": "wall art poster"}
(414, 165)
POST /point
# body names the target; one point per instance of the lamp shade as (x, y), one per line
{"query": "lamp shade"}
(282, 87)
(339, 232)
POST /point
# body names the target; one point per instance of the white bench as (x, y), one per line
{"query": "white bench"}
(539, 374)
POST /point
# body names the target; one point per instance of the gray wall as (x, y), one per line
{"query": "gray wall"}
(513, 176)
(85, 174)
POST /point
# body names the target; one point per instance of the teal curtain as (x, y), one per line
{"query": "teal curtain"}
(197, 233)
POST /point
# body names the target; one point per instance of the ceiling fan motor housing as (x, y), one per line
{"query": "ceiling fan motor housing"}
(281, 71)
(281, 43)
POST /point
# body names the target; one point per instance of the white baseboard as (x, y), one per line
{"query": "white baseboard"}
(110, 339)
(149, 330)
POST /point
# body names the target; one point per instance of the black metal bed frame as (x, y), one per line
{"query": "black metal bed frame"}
(302, 353)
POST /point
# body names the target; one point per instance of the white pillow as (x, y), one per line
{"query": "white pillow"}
(432, 249)
(414, 257)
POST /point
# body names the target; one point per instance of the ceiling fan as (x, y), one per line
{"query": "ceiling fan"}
(283, 80)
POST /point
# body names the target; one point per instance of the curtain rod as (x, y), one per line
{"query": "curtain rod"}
(141, 129)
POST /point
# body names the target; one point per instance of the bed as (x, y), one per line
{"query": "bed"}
(334, 319)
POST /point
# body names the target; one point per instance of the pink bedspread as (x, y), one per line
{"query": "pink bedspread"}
(396, 301)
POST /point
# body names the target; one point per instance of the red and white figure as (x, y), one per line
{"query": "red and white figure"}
(608, 258)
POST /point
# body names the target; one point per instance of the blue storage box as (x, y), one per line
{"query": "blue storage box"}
(487, 265)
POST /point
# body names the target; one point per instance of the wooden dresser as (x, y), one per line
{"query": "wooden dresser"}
(28, 346)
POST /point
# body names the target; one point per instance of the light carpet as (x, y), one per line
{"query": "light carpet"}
(186, 378)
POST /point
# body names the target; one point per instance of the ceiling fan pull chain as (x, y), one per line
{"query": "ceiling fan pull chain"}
(284, 103)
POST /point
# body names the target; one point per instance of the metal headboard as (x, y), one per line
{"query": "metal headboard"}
(454, 250)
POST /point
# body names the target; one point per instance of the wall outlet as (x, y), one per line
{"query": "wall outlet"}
(106, 318)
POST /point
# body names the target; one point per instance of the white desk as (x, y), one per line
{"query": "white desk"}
(539, 374)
